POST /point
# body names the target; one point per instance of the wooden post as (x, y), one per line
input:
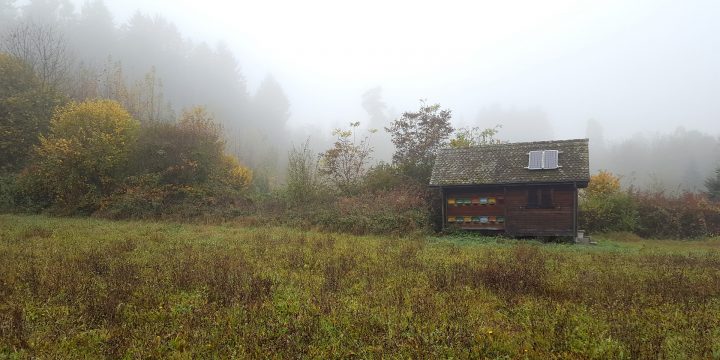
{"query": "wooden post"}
(444, 203)
(575, 211)
(505, 210)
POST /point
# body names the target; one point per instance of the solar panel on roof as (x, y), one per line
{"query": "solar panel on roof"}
(535, 160)
(550, 158)
(543, 159)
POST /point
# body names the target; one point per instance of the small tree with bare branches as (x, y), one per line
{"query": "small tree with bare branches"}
(43, 48)
(346, 162)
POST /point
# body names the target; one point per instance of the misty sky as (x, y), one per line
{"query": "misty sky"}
(635, 66)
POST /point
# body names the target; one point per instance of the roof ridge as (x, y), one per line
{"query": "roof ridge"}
(540, 142)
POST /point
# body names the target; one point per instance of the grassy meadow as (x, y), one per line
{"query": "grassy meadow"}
(88, 288)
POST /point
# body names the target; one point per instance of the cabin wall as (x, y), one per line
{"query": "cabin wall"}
(556, 220)
(518, 219)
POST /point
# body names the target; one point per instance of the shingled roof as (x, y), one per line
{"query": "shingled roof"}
(507, 164)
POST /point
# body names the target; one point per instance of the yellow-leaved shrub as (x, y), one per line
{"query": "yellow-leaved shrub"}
(236, 175)
(603, 183)
(83, 157)
(605, 207)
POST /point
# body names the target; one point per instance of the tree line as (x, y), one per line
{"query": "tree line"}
(85, 157)
(82, 134)
(119, 151)
(150, 68)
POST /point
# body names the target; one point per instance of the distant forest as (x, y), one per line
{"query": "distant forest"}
(148, 59)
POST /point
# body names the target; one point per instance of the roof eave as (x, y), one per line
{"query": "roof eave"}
(580, 183)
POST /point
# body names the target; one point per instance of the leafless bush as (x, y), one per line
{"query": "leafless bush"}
(43, 47)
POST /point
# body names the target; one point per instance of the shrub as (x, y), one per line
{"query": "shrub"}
(143, 197)
(183, 153)
(656, 220)
(180, 171)
(83, 158)
(397, 211)
(712, 219)
(604, 207)
(611, 212)
(603, 183)
(683, 216)
(302, 178)
(385, 177)
(8, 192)
(692, 209)
(25, 111)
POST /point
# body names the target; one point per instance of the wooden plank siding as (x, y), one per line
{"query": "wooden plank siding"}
(554, 221)
(557, 219)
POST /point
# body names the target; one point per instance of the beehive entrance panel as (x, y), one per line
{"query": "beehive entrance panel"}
(476, 209)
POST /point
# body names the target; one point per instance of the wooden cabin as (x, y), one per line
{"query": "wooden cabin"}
(518, 189)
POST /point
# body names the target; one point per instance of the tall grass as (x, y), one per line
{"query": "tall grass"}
(95, 288)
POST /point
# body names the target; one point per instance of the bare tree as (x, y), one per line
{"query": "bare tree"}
(147, 101)
(346, 162)
(144, 100)
(43, 48)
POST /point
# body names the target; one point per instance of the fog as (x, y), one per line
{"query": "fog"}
(641, 79)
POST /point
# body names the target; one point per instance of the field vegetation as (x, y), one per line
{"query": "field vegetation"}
(97, 288)
(204, 233)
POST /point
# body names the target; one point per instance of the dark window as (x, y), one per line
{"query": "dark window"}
(540, 198)
(546, 198)
(533, 198)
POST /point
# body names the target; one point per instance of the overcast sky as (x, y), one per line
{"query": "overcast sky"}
(635, 66)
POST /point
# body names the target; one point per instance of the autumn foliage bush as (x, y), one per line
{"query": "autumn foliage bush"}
(687, 215)
(605, 207)
(83, 158)
(97, 159)
(180, 170)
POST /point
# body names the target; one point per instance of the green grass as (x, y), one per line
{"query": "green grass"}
(87, 288)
